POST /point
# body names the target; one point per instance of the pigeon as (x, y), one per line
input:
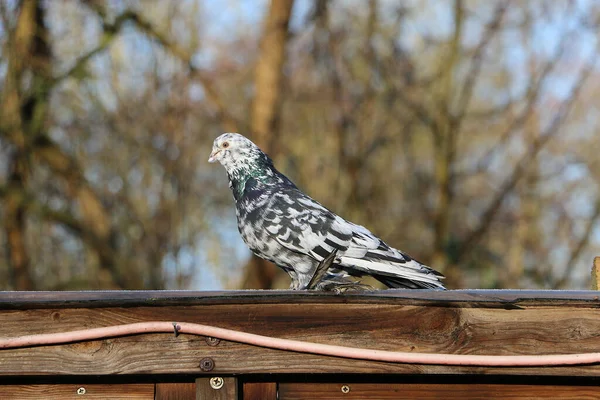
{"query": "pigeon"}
(281, 224)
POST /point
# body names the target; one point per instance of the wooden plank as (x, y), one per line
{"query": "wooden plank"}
(259, 391)
(350, 391)
(226, 388)
(74, 391)
(531, 330)
(596, 274)
(448, 298)
(175, 391)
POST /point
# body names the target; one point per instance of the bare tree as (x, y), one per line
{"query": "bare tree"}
(466, 142)
(259, 273)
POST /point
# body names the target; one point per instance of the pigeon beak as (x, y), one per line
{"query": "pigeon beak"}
(213, 156)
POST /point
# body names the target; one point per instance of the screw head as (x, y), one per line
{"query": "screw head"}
(207, 364)
(216, 382)
(345, 389)
(81, 391)
(212, 341)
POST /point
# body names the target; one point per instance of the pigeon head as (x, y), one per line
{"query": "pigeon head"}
(238, 154)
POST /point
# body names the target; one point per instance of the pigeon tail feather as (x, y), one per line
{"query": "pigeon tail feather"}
(409, 274)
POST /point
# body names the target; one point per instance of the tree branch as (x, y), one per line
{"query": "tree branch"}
(533, 93)
(477, 60)
(110, 33)
(229, 122)
(526, 160)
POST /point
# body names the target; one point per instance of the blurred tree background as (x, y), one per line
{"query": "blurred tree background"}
(463, 132)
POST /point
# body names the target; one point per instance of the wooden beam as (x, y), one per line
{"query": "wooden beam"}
(156, 298)
(78, 391)
(596, 274)
(502, 324)
(217, 388)
(350, 391)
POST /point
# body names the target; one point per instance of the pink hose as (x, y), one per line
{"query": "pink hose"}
(299, 346)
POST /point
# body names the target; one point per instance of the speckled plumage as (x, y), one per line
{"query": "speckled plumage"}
(283, 225)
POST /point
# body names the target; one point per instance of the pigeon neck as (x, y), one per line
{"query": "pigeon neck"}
(260, 169)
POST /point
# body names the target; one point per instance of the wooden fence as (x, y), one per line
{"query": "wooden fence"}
(165, 366)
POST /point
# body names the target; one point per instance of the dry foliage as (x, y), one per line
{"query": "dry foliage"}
(461, 132)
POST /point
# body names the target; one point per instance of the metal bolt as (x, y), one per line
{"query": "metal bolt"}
(207, 364)
(81, 390)
(212, 341)
(216, 382)
(345, 389)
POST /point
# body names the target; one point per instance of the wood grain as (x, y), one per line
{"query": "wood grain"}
(596, 274)
(204, 391)
(448, 298)
(69, 391)
(259, 391)
(331, 391)
(551, 327)
(175, 391)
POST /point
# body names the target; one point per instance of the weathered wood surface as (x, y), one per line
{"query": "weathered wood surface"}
(596, 274)
(448, 298)
(528, 323)
(379, 391)
(259, 391)
(71, 391)
(175, 391)
(228, 391)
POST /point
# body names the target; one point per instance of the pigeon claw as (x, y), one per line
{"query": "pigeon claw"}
(342, 288)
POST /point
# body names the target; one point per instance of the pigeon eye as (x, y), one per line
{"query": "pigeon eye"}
(225, 145)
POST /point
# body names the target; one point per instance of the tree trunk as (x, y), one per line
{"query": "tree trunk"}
(269, 74)
(14, 220)
(445, 137)
(26, 50)
(24, 114)
(258, 273)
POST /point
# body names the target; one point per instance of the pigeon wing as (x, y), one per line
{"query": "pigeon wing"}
(302, 225)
